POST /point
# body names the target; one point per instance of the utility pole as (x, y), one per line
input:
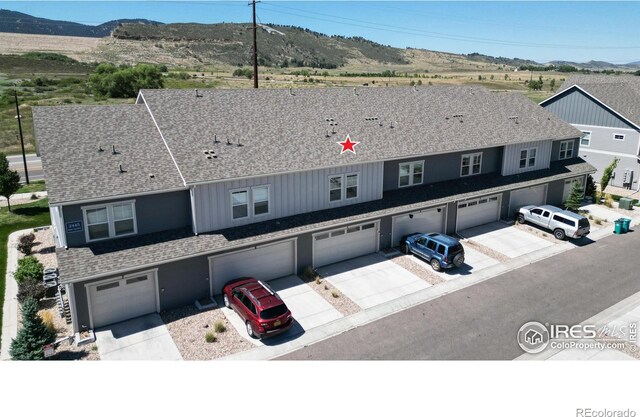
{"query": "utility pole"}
(24, 156)
(255, 46)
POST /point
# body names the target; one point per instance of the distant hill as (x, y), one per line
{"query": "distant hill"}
(516, 62)
(16, 22)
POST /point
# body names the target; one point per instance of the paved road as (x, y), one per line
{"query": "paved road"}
(34, 165)
(481, 322)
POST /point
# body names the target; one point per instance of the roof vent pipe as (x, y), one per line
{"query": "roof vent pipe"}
(327, 135)
(215, 139)
(355, 92)
(415, 88)
(291, 91)
(100, 149)
(113, 150)
(198, 95)
(229, 141)
(120, 169)
(239, 144)
(391, 125)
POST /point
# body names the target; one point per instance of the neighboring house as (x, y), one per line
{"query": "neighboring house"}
(158, 204)
(607, 111)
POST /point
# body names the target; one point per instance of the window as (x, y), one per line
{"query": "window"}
(431, 245)
(471, 164)
(109, 220)
(255, 197)
(260, 200)
(410, 173)
(566, 149)
(536, 211)
(527, 158)
(107, 286)
(335, 188)
(239, 204)
(344, 186)
(585, 140)
(441, 249)
(618, 136)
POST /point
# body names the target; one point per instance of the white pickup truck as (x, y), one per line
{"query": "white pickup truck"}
(563, 223)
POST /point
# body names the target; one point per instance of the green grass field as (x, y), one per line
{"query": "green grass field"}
(33, 186)
(24, 216)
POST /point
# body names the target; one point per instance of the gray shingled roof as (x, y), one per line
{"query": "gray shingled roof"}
(620, 92)
(141, 251)
(281, 132)
(69, 137)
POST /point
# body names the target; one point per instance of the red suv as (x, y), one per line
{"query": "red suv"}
(262, 310)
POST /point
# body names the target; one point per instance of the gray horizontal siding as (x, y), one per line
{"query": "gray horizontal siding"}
(575, 107)
(511, 158)
(154, 213)
(442, 167)
(290, 194)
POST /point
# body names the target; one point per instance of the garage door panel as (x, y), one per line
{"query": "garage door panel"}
(344, 243)
(264, 263)
(122, 299)
(533, 195)
(478, 211)
(425, 222)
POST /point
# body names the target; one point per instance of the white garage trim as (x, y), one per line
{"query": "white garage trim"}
(376, 230)
(479, 202)
(152, 272)
(212, 258)
(530, 189)
(439, 210)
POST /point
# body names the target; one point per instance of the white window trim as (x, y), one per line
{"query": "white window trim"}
(619, 134)
(526, 166)
(238, 190)
(566, 149)
(250, 206)
(110, 220)
(411, 170)
(343, 187)
(470, 156)
(590, 134)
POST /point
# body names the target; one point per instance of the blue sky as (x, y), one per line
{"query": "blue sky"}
(543, 31)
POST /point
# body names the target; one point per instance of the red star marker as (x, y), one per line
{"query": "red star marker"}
(347, 145)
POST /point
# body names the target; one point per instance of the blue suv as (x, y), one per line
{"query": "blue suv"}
(441, 251)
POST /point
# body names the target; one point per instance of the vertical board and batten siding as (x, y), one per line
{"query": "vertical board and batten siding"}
(289, 194)
(576, 108)
(511, 157)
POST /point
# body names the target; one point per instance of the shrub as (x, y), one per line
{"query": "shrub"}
(31, 288)
(606, 175)
(32, 336)
(598, 221)
(28, 268)
(25, 243)
(48, 320)
(335, 294)
(210, 337)
(219, 327)
(33, 197)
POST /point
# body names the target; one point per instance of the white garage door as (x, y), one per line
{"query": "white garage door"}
(428, 221)
(264, 263)
(344, 243)
(122, 299)
(478, 211)
(533, 195)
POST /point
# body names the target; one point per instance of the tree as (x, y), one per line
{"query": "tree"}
(9, 180)
(590, 187)
(33, 335)
(606, 175)
(107, 80)
(552, 84)
(575, 197)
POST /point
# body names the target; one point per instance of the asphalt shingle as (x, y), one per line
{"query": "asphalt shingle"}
(283, 131)
(69, 139)
(152, 249)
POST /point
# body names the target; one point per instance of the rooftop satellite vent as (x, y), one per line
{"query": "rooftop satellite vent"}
(113, 150)
(209, 157)
(120, 170)
(100, 149)
(206, 152)
(458, 115)
(514, 118)
(152, 175)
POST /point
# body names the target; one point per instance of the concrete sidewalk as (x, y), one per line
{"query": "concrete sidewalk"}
(22, 198)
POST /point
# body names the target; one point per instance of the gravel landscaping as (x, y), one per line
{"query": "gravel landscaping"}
(323, 287)
(189, 328)
(541, 233)
(486, 250)
(424, 273)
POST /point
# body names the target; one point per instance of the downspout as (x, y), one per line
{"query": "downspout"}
(194, 221)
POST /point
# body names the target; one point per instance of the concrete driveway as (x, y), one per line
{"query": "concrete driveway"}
(371, 280)
(308, 308)
(505, 239)
(474, 261)
(142, 338)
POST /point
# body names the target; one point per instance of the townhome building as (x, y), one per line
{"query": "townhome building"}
(159, 203)
(606, 108)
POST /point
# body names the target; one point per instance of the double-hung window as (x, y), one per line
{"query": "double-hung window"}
(110, 220)
(566, 149)
(471, 164)
(250, 202)
(343, 186)
(410, 173)
(528, 158)
(585, 140)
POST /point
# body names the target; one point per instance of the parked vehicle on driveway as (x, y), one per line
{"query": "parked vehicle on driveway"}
(441, 251)
(262, 310)
(563, 223)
